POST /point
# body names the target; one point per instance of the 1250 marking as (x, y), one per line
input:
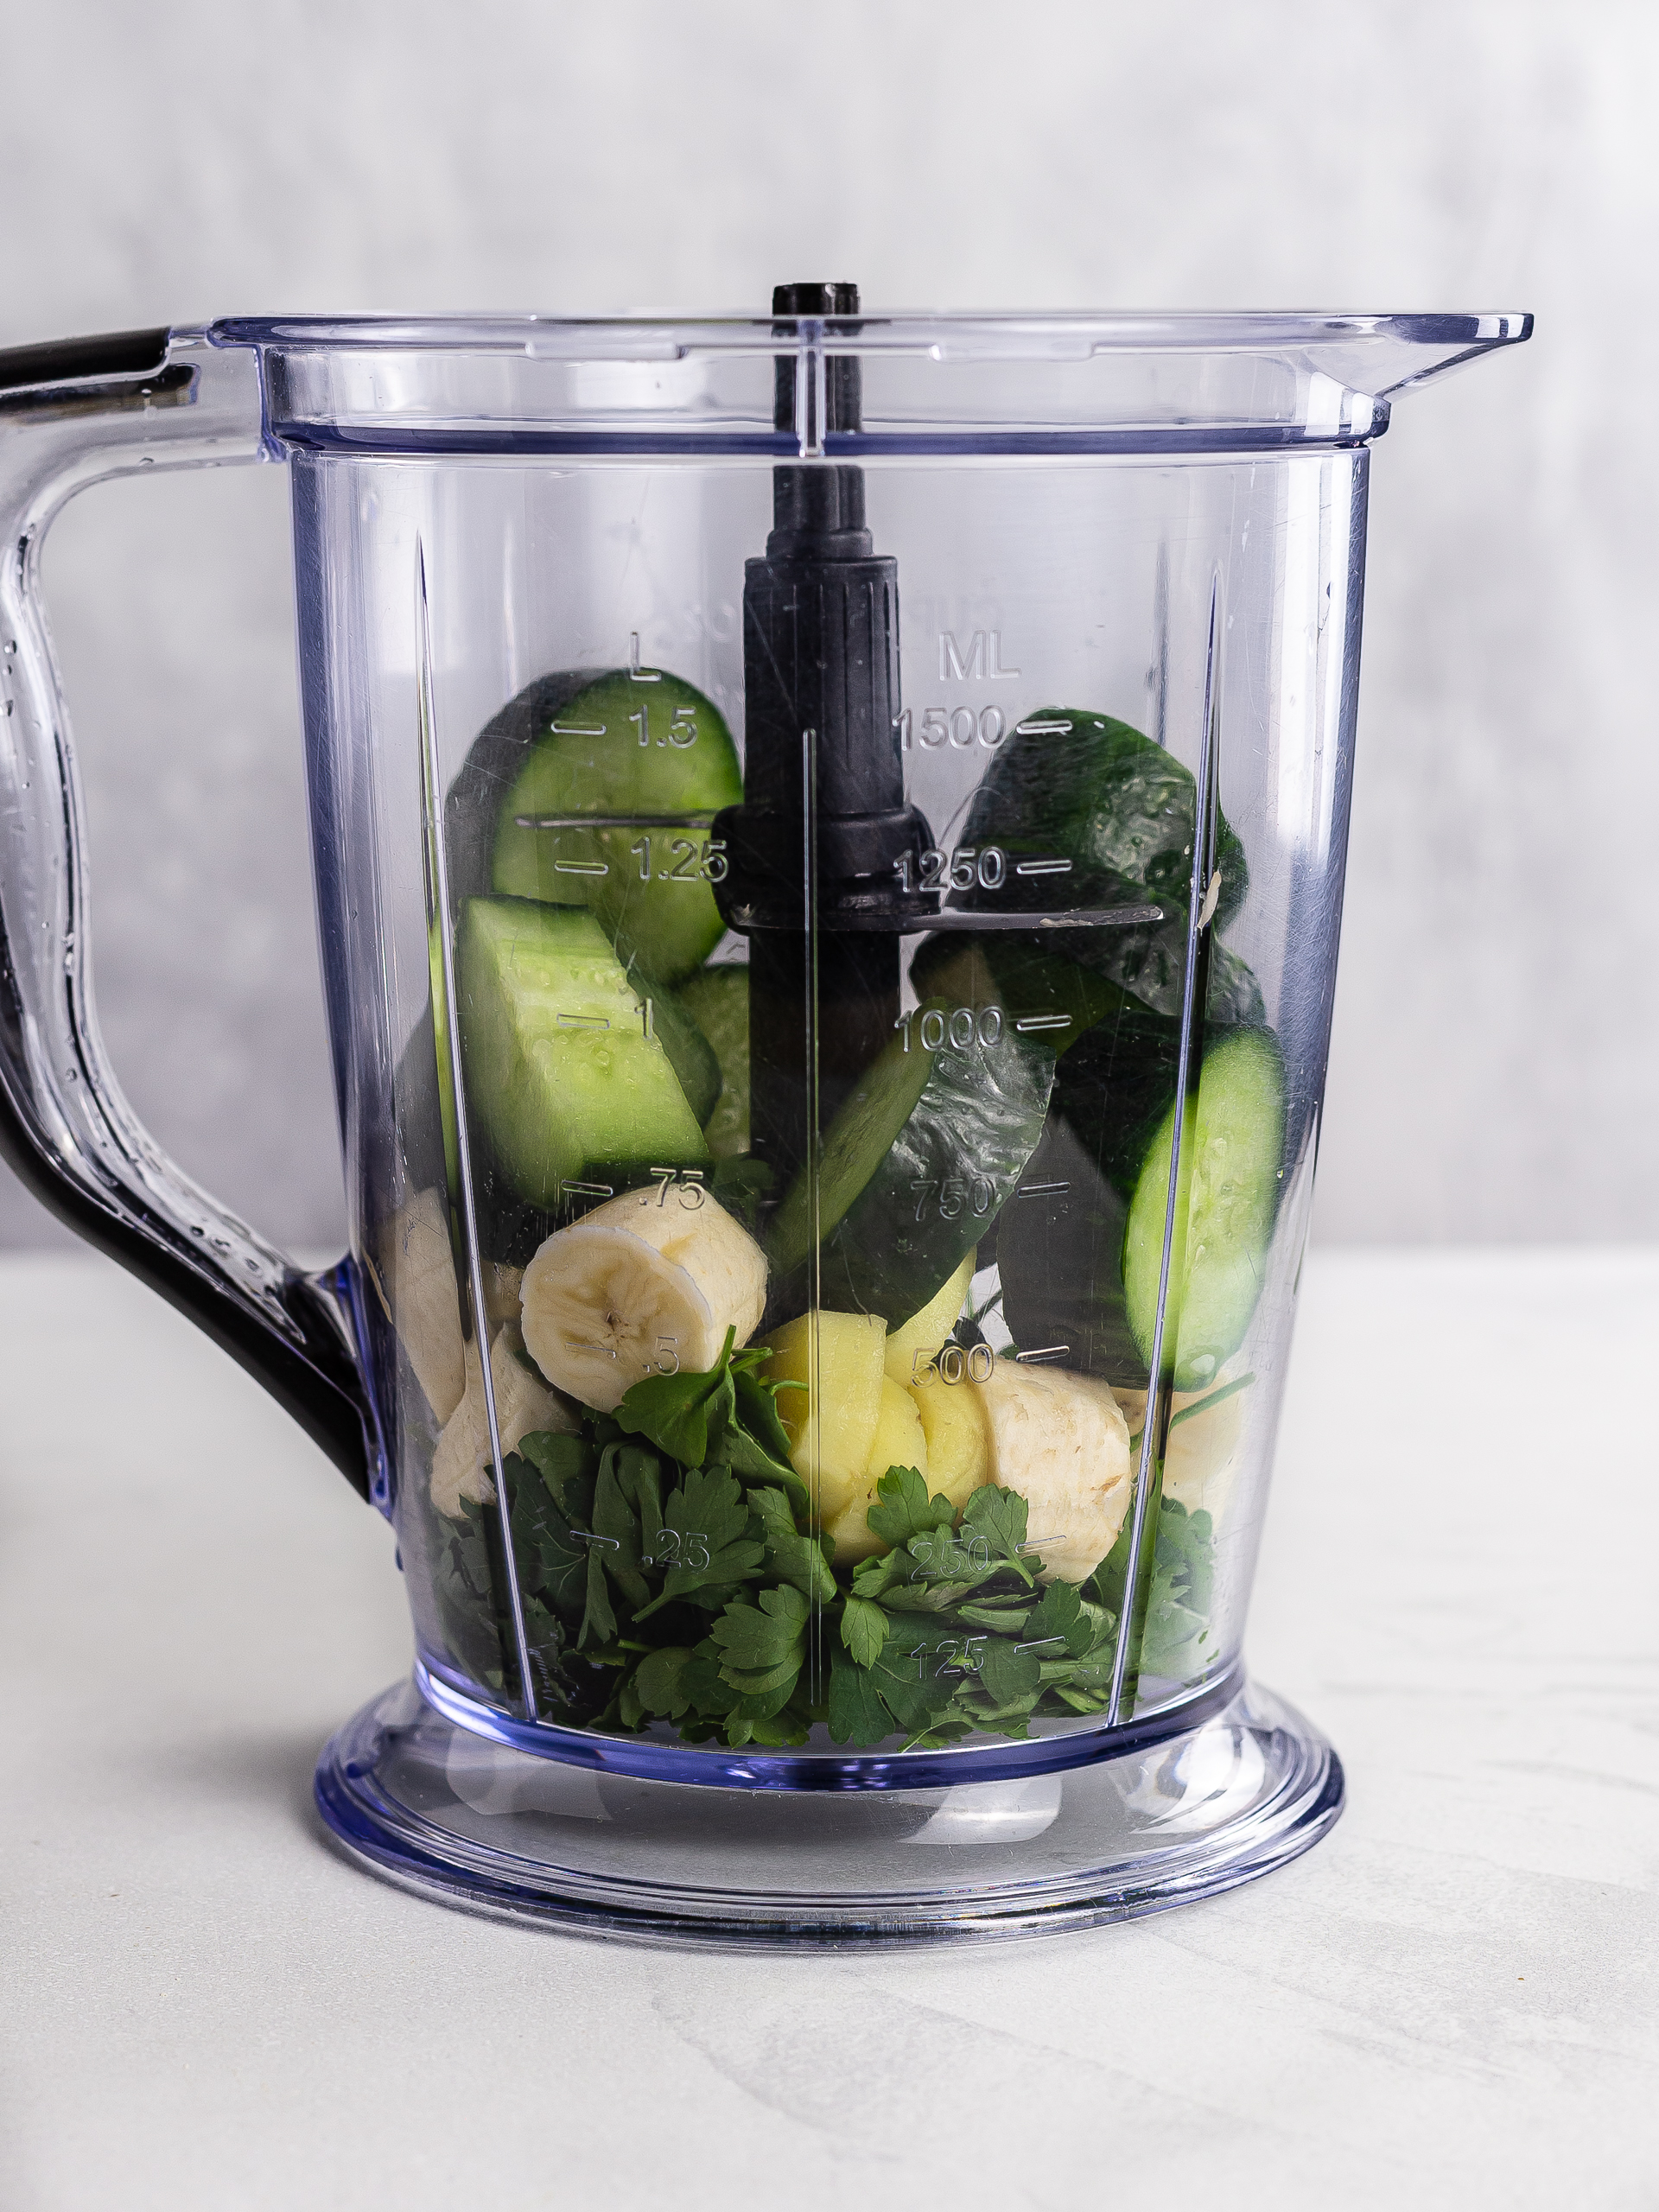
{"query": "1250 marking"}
(933, 870)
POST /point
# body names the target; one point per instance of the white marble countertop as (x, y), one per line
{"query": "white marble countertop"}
(1454, 2000)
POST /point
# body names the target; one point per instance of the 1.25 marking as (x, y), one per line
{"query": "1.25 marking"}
(697, 861)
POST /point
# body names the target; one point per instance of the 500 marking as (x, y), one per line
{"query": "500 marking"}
(953, 1364)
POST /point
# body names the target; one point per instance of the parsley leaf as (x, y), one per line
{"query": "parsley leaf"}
(705, 1540)
(659, 1679)
(904, 1509)
(794, 1558)
(863, 1629)
(758, 1640)
(686, 1414)
(856, 1713)
(998, 1515)
(624, 1471)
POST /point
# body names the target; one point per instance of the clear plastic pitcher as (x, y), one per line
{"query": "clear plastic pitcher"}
(829, 835)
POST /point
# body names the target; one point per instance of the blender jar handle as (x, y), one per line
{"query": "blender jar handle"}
(72, 414)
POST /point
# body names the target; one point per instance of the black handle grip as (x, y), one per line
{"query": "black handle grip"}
(73, 360)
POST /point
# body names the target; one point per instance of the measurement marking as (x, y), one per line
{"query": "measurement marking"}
(1046, 1351)
(1042, 730)
(588, 1190)
(577, 1345)
(579, 729)
(638, 674)
(1042, 867)
(614, 1543)
(584, 1020)
(582, 867)
(1042, 1190)
(1036, 1543)
(613, 821)
(1041, 1644)
(1071, 918)
(1029, 1024)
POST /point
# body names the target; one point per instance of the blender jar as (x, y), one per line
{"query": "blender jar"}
(829, 835)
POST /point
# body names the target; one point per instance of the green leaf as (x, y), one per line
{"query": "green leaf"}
(904, 1509)
(1058, 1623)
(705, 1543)
(793, 1558)
(998, 1515)
(660, 1681)
(750, 1460)
(682, 1415)
(598, 1621)
(857, 1716)
(616, 1521)
(863, 1631)
(753, 1638)
(1008, 1675)
(566, 1464)
(918, 1672)
(757, 1409)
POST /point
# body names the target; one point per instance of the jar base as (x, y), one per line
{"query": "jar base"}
(435, 1809)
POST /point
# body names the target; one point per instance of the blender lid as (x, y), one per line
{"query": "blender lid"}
(956, 383)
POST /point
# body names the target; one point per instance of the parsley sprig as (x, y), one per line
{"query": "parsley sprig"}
(669, 1573)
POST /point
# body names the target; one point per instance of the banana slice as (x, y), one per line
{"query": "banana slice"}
(644, 1285)
(420, 1272)
(1201, 1458)
(1061, 1441)
(462, 1464)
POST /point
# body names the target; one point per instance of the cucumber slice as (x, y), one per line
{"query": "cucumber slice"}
(717, 999)
(561, 1073)
(1079, 1262)
(631, 745)
(915, 1167)
(1234, 1140)
(1083, 788)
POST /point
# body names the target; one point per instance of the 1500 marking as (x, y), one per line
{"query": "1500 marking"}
(959, 726)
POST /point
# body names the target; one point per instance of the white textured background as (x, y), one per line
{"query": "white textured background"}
(1494, 1073)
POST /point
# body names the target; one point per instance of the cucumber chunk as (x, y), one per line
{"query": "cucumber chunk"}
(1086, 788)
(631, 745)
(560, 1071)
(717, 999)
(915, 1167)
